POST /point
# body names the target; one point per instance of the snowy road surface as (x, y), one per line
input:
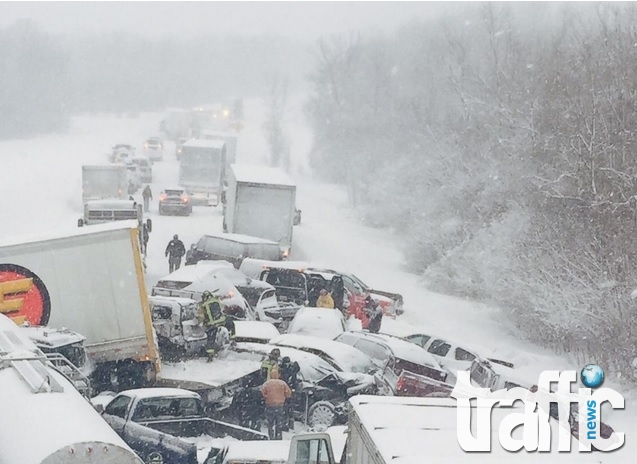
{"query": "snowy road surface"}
(40, 191)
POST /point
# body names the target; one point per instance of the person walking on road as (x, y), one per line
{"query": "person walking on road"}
(174, 251)
(324, 300)
(275, 393)
(147, 194)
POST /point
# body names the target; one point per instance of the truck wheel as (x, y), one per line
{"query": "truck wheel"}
(322, 414)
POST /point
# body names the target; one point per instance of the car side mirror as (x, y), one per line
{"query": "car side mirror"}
(99, 408)
(80, 222)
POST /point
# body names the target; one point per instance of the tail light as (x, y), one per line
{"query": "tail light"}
(230, 293)
(162, 197)
(145, 145)
(185, 199)
(400, 383)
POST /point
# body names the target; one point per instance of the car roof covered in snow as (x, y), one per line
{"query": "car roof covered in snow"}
(345, 356)
(258, 330)
(198, 271)
(319, 322)
(176, 299)
(144, 393)
(241, 238)
(270, 451)
(404, 350)
(204, 143)
(261, 175)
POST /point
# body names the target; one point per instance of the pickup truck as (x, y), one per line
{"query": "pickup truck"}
(159, 424)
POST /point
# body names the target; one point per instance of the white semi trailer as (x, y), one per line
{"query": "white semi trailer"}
(44, 419)
(202, 170)
(260, 202)
(104, 182)
(92, 282)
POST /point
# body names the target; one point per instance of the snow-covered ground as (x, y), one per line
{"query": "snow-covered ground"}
(40, 190)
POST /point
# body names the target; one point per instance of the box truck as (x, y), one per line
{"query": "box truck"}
(260, 202)
(44, 419)
(91, 282)
(202, 170)
(228, 138)
(104, 182)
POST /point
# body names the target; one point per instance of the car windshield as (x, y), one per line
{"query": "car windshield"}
(156, 408)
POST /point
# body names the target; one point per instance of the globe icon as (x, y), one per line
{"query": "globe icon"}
(592, 376)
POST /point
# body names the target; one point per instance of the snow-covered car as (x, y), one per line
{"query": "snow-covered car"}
(178, 146)
(219, 277)
(254, 331)
(407, 369)
(121, 153)
(495, 376)
(318, 322)
(324, 387)
(340, 355)
(175, 322)
(154, 149)
(144, 168)
(175, 200)
(450, 355)
(134, 179)
(192, 281)
(298, 282)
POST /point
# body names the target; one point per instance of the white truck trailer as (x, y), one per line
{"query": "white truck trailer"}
(260, 202)
(92, 282)
(104, 182)
(202, 170)
(228, 138)
(44, 419)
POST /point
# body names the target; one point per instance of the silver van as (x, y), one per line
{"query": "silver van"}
(233, 248)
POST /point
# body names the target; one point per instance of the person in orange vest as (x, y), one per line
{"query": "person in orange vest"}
(324, 300)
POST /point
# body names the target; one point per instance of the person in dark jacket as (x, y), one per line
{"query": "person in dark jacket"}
(374, 313)
(248, 404)
(174, 251)
(288, 372)
(147, 195)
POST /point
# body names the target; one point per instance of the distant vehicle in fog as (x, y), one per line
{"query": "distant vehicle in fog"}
(121, 153)
(154, 149)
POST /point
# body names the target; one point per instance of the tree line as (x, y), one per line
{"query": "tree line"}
(499, 145)
(46, 78)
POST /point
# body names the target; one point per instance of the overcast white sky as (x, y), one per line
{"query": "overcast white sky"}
(305, 20)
